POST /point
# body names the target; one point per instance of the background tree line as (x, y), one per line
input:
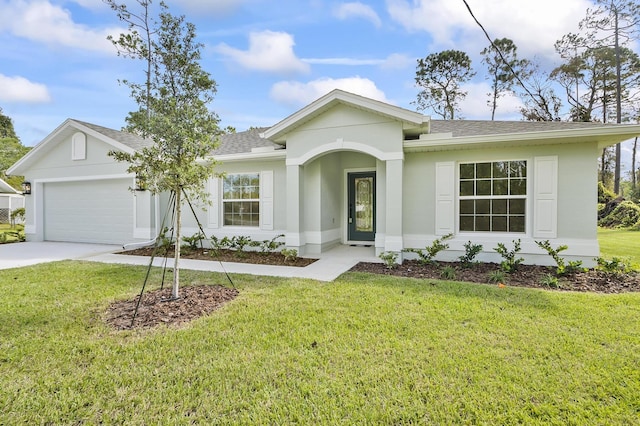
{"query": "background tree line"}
(598, 79)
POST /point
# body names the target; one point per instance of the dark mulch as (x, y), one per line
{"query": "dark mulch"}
(157, 307)
(525, 276)
(226, 256)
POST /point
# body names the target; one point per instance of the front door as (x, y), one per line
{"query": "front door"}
(362, 206)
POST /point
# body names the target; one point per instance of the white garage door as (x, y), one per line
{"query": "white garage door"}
(99, 211)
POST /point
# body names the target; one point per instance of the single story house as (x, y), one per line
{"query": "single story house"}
(10, 200)
(345, 169)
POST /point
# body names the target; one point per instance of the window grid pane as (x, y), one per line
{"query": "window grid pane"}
(493, 197)
(241, 200)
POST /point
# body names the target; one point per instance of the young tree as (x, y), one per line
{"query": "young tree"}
(173, 112)
(11, 150)
(501, 59)
(615, 22)
(440, 76)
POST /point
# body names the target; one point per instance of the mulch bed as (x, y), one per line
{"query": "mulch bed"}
(525, 276)
(255, 257)
(157, 307)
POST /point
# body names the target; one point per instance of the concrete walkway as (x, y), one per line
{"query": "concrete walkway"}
(15, 255)
(328, 267)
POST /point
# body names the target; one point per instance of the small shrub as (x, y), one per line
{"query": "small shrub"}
(3, 237)
(389, 258)
(218, 244)
(290, 255)
(269, 246)
(448, 273)
(17, 215)
(510, 262)
(470, 252)
(497, 277)
(239, 243)
(549, 281)
(428, 254)
(562, 267)
(615, 266)
(192, 241)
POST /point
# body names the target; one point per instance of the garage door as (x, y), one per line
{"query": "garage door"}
(98, 211)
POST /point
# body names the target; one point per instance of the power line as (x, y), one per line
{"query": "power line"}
(500, 53)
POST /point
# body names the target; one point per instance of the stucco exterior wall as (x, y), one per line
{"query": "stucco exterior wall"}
(576, 200)
(190, 225)
(346, 124)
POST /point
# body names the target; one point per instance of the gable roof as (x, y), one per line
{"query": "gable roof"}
(411, 119)
(122, 141)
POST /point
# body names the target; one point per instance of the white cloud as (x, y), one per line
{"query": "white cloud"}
(297, 94)
(214, 7)
(397, 61)
(474, 106)
(269, 51)
(46, 23)
(534, 25)
(344, 61)
(19, 89)
(357, 10)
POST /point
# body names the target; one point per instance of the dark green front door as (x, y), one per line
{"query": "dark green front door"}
(362, 206)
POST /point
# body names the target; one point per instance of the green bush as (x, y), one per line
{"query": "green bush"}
(470, 252)
(562, 266)
(427, 255)
(605, 195)
(625, 215)
(389, 258)
(510, 262)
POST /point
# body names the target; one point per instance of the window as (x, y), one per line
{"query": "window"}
(241, 200)
(493, 196)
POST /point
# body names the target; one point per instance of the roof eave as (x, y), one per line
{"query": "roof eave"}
(604, 136)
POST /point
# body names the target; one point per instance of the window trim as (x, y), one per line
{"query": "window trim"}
(527, 197)
(258, 200)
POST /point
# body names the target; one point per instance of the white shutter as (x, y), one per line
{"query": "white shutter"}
(266, 200)
(445, 198)
(214, 208)
(545, 197)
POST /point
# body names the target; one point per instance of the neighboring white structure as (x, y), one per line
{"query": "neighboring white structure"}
(10, 200)
(344, 170)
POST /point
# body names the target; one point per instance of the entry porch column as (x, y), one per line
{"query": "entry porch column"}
(393, 232)
(294, 239)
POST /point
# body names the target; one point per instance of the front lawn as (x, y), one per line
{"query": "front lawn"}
(621, 243)
(365, 349)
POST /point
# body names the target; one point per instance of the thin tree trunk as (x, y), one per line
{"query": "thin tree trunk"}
(633, 164)
(616, 182)
(176, 266)
(603, 168)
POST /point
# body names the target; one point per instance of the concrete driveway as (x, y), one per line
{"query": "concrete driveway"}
(15, 255)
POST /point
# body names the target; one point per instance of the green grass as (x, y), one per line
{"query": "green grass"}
(621, 243)
(363, 350)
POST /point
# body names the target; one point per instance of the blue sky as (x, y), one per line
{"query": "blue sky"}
(269, 58)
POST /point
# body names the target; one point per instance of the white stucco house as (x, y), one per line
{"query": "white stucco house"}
(10, 200)
(343, 170)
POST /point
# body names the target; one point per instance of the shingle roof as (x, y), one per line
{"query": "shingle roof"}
(243, 142)
(125, 138)
(461, 128)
